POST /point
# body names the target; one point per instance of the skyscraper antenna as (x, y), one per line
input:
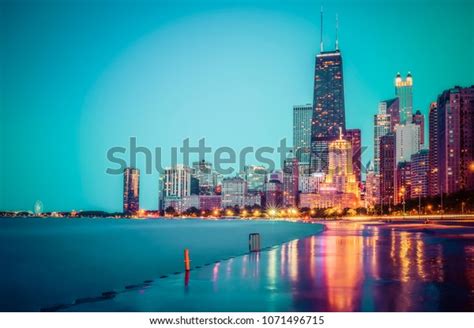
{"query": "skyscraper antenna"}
(322, 47)
(337, 32)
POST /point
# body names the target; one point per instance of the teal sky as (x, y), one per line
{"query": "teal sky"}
(78, 77)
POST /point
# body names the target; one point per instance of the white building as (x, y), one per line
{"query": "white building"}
(234, 192)
(177, 181)
(311, 183)
(407, 141)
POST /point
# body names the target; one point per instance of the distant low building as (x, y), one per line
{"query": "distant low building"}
(329, 199)
(210, 202)
(181, 204)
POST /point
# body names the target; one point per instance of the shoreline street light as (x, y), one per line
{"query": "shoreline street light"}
(402, 194)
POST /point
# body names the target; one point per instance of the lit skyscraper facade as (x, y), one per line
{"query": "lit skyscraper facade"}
(255, 177)
(202, 171)
(453, 147)
(131, 190)
(419, 120)
(302, 117)
(177, 181)
(234, 192)
(354, 137)
(340, 172)
(340, 188)
(402, 186)
(290, 182)
(381, 127)
(385, 121)
(387, 168)
(434, 188)
(328, 100)
(328, 105)
(404, 92)
(420, 174)
(407, 141)
(371, 187)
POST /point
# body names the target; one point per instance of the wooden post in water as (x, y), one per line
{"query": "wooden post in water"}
(187, 261)
(254, 242)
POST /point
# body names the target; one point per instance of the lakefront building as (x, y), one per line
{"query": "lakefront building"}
(177, 188)
(290, 182)
(131, 190)
(452, 140)
(420, 174)
(340, 188)
(355, 138)
(328, 103)
(433, 156)
(382, 126)
(302, 117)
(387, 168)
(234, 192)
(404, 93)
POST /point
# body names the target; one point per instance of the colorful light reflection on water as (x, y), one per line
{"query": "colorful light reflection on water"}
(350, 267)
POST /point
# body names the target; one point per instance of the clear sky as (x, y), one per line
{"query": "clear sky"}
(79, 77)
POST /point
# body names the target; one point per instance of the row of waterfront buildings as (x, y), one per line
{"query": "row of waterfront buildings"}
(404, 166)
(324, 170)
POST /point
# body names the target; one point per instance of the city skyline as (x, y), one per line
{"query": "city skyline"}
(377, 87)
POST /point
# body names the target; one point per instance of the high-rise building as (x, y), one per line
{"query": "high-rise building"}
(387, 168)
(385, 121)
(382, 126)
(340, 175)
(340, 188)
(290, 182)
(420, 174)
(371, 187)
(302, 117)
(354, 137)
(328, 104)
(234, 191)
(319, 155)
(202, 171)
(419, 120)
(404, 92)
(453, 150)
(131, 190)
(255, 177)
(177, 181)
(403, 182)
(407, 141)
(391, 107)
(195, 190)
(433, 146)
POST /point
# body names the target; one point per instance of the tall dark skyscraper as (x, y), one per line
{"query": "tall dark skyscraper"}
(131, 190)
(328, 103)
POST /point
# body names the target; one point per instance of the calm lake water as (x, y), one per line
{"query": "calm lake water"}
(44, 262)
(348, 267)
